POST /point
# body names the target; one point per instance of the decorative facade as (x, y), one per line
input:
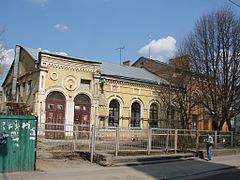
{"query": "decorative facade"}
(66, 90)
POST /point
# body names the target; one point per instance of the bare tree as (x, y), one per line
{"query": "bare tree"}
(214, 47)
(175, 103)
(182, 97)
(2, 30)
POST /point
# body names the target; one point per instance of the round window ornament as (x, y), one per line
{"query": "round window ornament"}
(54, 76)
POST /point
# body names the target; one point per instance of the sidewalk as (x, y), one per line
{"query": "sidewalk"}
(79, 169)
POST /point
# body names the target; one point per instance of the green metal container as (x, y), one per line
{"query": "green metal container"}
(18, 136)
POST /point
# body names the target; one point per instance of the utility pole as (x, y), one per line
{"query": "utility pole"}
(120, 52)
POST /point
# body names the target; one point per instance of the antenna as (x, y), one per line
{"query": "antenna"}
(149, 48)
(120, 52)
(234, 3)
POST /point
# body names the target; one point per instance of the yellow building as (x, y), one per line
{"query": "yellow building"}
(68, 90)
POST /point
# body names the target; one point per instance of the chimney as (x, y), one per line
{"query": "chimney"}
(127, 63)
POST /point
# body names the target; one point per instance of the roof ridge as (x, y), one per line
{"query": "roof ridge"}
(34, 52)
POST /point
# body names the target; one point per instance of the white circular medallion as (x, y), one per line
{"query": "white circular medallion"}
(70, 83)
(54, 76)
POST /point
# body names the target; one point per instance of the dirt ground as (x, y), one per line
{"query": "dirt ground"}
(49, 169)
(51, 165)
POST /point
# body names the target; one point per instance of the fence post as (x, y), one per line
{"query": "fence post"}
(197, 139)
(215, 138)
(117, 141)
(231, 138)
(75, 127)
(93, 142)
(175, 140)
(149, 141)
(167, 140)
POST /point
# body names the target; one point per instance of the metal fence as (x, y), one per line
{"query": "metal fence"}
(92, 139)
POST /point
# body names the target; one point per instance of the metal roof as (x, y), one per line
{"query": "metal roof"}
(32, 52)
(110, 69)
(130, 73)
(35, 55)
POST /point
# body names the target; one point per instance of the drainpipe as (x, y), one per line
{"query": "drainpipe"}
(15, 73)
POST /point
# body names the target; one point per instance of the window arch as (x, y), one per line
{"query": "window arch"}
(153, 115)
(135, 114)
(55, 95)
(114, 108)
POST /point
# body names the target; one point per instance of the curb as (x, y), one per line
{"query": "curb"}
(156, 159)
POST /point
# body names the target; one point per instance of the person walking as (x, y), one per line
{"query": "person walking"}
(210, 143)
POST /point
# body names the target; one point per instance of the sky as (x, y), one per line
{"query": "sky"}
(96, 29)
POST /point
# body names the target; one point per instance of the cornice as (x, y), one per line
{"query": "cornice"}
(69, 67)
(129, 83)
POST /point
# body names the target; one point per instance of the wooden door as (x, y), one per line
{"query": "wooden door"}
(82, 112)
(55, 116)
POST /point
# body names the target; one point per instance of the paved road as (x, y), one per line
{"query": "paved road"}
(222, 175)
(181, 169)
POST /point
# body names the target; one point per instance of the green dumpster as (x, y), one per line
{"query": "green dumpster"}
(17, 143)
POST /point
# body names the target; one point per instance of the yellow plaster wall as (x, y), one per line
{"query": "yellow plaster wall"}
(61, 74)
(127, 93)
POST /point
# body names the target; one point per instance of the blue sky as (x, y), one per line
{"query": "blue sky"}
(93, 29)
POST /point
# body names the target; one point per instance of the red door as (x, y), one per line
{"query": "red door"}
(55, 116)
(82, 112)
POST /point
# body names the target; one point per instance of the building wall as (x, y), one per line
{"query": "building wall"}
(57, 74)
(156, 67)
(26, 87)
(177, 72)
(64, 76)
(127, 93)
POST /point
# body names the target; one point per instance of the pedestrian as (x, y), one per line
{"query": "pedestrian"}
(210, 143)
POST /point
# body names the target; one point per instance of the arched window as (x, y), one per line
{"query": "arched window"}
(153, 116)
(113, 113)
(135, 114)
(56, 96)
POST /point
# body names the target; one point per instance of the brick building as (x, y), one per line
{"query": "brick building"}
(177, 72)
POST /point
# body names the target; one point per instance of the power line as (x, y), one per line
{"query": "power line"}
(234, 3)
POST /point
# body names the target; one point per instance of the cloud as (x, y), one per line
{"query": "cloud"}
(6, 55)
(162, 49)
(61, 53)
(47, 51)
(42, 3)
(6, 58)
(61, 27)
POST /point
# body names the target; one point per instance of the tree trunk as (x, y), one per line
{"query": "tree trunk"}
(214, 125)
